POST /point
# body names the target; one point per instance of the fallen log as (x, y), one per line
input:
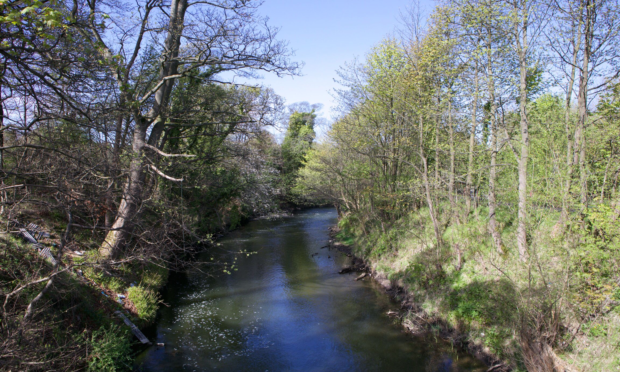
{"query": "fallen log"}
(133, 328)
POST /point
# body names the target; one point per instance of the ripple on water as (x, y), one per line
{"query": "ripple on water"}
(204, 329)
(286, 310)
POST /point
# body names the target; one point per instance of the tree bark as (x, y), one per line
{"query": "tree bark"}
(569, 130)
(525, 140)
(451, 194)
(582, 101)
(427, 186)
(493, 226)
(472, 139)
(132, 196)
(436, 182)
(118, 237)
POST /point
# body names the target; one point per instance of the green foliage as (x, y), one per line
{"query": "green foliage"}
(109, 349)
(100, 277)
(153, 276)
(146, 302)
(596, 264)
(296, 145)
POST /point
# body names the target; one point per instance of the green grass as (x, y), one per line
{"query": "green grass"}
(493, 296)
(146, 302)
(109, 349)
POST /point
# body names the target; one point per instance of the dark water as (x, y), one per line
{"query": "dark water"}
(287, 309)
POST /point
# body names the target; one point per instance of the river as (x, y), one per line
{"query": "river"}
(287, 309)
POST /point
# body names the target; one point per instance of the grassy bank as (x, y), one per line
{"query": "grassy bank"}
(558, 309)
(73, 327)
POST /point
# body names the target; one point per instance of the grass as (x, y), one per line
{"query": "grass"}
(145, 301)
(109, 349)
(74, 327)
(497, 300)
(67, 316)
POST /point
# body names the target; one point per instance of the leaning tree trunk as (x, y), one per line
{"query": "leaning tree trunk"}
(121, 230)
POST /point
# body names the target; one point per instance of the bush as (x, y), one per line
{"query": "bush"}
(145, 302)
(109, 349)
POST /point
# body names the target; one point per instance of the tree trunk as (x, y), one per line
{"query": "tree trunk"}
(525, 141)
(453, 213)
(495, 234)
(437, 182)
(427, 186)
(582, 103)
(493, 226)
(132, 197)
(569, 131)
(472, 139)
(134, 186)
(3, 194)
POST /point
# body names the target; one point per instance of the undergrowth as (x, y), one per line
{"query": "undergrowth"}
(565, 296)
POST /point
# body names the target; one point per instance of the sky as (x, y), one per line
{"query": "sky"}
(325, 34)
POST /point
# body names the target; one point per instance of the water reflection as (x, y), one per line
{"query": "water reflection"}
(287, 309)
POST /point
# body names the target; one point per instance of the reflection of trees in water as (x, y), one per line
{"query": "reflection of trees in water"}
(441, 362)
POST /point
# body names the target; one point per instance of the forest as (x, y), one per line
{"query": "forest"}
(474, 162)
(126, 149)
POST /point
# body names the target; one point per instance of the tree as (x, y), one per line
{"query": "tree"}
(225, 36)
(297, 142)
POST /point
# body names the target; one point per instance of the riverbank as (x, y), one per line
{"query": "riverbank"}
(511, 315)
(75, 325)
(412, 317)
(287, 308)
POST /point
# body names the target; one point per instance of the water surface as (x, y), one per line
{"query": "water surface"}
(288, 309)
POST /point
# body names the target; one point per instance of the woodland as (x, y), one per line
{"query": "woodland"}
(126, 148)
(474, 162)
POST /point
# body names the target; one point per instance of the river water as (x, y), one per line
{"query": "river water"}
(287, 309)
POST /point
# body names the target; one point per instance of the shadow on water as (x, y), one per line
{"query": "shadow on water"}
(287, 309)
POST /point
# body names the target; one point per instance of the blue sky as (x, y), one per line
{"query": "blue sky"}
(326, 34)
